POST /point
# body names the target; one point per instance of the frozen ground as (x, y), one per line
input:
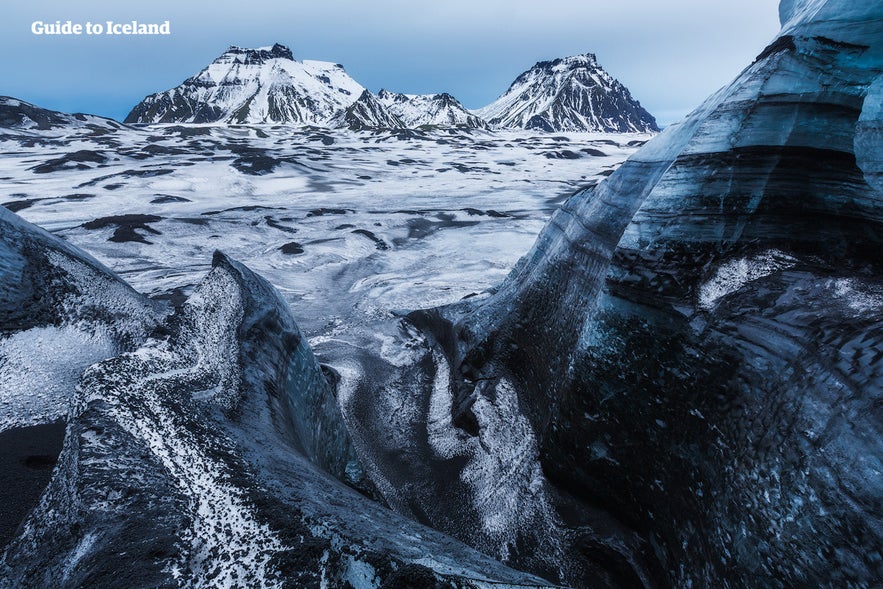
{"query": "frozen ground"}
(345, 224)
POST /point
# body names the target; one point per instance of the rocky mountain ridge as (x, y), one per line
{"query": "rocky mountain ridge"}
(569, 94)
(268, 85)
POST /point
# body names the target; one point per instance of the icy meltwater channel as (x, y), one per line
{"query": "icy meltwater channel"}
(348, 225)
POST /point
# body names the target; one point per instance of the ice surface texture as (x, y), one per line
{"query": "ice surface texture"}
(697, 341)
(204, 457)
(60, 311)
(679, 385)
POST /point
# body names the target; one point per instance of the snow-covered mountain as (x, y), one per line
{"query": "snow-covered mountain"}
(263, 85)
(569, 94)
(267, 85)
(367, 113)
(439, 110)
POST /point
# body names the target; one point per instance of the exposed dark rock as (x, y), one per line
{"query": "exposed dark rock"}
(489, 213)
(244, 208)
(27, 455)
(271, 222)
(563, 154)
(162, 199)
(71, 161)
(327, 211)
(378, 243)
(126, 226)
(151, 173)
(292, 248)
(20, 205)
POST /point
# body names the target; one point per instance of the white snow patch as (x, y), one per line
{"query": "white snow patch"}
(82, 549)
(446, 440)
(508, 487)
(735, 274)
(39, 369)
(360, 574)
(860, 297)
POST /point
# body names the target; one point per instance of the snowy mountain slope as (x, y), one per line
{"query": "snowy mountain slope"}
(367, 113)
(438, 110)
(263, 85)
(569, 94)
(18, 114)
(267, 85)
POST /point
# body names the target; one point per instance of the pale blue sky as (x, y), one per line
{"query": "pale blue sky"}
(670, 54)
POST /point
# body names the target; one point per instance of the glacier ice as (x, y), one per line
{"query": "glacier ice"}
(61, 311)
(207, 453)
(695, 341)
(679, 385)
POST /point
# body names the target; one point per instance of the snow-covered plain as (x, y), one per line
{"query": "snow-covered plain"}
(347, 225)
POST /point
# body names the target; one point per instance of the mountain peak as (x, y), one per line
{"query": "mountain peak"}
(268, 85)
(255, 56)
(583, 60)
(568, 94)
(260, 85)
(18, 114)
(367, 112)
(434, 110)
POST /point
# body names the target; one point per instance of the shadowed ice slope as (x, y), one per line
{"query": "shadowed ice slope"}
(696, 342)
(202, 459)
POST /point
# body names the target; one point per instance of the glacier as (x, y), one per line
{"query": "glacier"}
(720, 425)
(203, 451)
(179, 186)
(678, 385)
